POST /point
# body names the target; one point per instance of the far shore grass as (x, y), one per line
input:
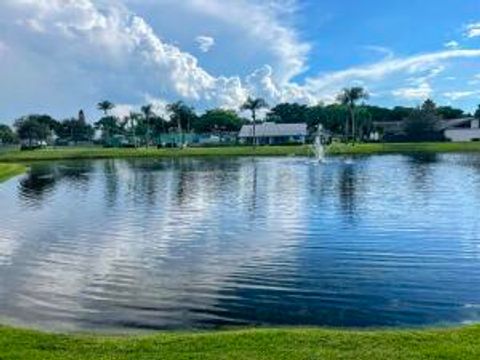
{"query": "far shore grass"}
(65, 153)
(253, 344)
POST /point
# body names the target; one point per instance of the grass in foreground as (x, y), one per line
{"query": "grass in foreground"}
(10, 170)
(291, 344)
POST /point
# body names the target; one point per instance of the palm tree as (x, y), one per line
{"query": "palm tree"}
(134, 120)
(105, 106)
(254, 105)
(147, 111)
(349, 98)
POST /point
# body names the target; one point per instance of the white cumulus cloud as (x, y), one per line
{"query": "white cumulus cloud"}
(421, 92)
(63, 54)
(205, 43)
(452, 44)
(456, 95)
(472, 30)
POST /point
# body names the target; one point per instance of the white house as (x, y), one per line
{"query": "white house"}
(269, 133)
(462, 130)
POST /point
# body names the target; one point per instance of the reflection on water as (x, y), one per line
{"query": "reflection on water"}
(192, 243)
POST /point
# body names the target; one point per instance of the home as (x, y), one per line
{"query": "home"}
(269, 133)
(461, 130)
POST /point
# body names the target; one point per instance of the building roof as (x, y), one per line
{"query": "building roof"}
(397, 126)
(451, 124)
(389, 126)
(269, 129)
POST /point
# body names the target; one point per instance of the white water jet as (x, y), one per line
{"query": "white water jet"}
(318, 147)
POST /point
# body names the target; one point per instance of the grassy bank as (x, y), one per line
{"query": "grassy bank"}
(288, 344)
(63, 153)
(107, 153)
(399, 148)
(10, 170)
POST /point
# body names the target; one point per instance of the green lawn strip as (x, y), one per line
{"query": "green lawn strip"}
(255, 344)
(10, 170)
(398, 148)
(106, 153)
(65, 153)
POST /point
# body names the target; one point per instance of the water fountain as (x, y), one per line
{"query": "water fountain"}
(318, 145)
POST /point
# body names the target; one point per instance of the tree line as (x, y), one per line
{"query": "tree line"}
(350, 117)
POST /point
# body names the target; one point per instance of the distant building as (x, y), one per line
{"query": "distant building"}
(458, 130)
(461, 130)
(269, 133)
(387, 128)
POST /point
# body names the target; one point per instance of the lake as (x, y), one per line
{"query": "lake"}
(200, 243)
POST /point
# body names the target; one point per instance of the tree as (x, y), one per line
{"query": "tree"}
(449, 113)
(75, 130)
(331, 117)
(286, 113)
(181, 114)
(148, 113)
(400, 113)
(254, 105)
(7, 136)
(34, 127)
(364, 121)
(218, 120)
(421, 124)
(429, 106)
(158, 125)
(477, 113)
(349, 98)
(109, 126)
(135, 124)
(105, 106)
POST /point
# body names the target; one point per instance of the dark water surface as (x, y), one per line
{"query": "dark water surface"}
(201, 243)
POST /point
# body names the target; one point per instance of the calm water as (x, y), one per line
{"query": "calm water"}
(201, 243)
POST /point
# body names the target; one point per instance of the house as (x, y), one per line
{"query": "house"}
(269, 133)
(461, 130)
(458, 130)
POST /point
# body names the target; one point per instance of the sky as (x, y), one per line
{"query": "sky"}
(60, 56)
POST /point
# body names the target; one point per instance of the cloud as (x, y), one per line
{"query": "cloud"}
(428, 65)
(456, 95)
(77, 29)
(66, 54)
(475, 80)
(122, 110)
(452, 44)
(260, 22)
(388, 53)
(205, 43)
(472, 30)
(421, 92)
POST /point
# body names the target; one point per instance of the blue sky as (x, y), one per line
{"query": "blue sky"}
(57, 56)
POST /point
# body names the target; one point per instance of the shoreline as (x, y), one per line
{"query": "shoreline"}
(269, 343)
(14, 163)
(88, 153)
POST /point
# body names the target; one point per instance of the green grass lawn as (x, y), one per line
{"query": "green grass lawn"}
(9, 170)
(288, 344)
(398, 148)
(61, 153)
